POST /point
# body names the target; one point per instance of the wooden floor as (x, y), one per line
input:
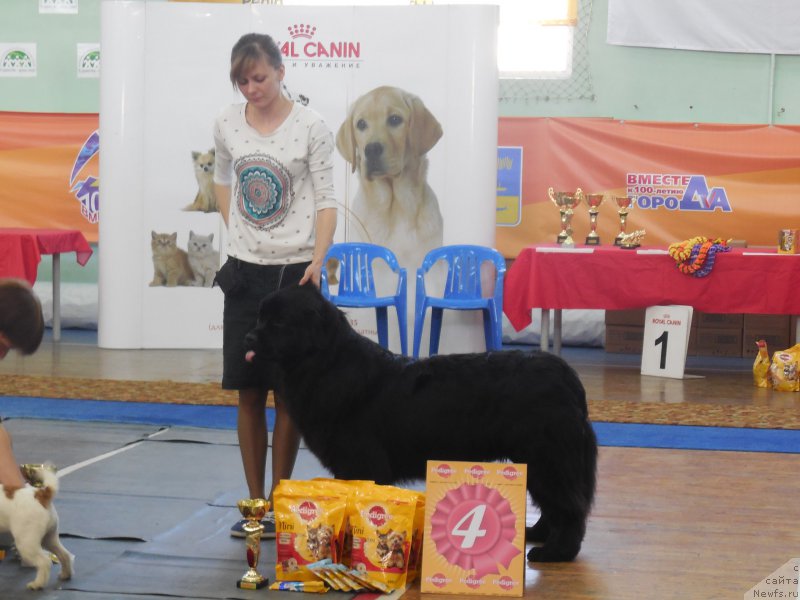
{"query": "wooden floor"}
(666, 523)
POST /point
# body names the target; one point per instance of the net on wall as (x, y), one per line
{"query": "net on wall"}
(578, 86)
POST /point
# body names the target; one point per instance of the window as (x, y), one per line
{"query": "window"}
(534, 39)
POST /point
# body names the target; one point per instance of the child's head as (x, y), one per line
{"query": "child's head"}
(21, 320)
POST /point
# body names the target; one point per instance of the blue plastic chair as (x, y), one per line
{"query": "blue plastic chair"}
(462, 292)
(357, 285)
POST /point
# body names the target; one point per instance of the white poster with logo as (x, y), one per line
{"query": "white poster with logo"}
(165, 79)
(88, 60)
(58, 7)
(17, 59)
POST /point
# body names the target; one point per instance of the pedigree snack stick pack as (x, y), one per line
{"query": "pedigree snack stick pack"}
(308, 521)
(382, 526)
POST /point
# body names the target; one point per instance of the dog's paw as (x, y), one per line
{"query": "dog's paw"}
(548, 554)
(34, 585)
(67, 570)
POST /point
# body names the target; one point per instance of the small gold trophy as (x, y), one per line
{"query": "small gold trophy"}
(253, 509)
(593, 201)
(625, 204)
(632, 240)
(565, 203)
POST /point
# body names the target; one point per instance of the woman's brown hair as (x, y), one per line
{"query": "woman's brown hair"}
(251, 48)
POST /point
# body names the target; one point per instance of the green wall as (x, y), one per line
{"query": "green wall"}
(627, 83)
(56, 88)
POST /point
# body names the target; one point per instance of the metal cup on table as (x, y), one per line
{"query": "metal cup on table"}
(566, 202)
(625, 204)
(593, 201)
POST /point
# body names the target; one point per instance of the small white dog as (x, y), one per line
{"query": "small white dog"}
(29, 515)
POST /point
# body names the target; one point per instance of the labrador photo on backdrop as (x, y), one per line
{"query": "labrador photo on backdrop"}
(385, 138)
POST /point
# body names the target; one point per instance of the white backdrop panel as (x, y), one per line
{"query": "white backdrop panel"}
(164, 80)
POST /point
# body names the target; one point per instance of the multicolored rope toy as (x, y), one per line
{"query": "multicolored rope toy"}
(696, 255)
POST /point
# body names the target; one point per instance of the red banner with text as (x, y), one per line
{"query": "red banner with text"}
(49, 169)
(731, 181)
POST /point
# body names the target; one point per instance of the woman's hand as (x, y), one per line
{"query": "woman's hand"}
(313, 274)
(325, 226)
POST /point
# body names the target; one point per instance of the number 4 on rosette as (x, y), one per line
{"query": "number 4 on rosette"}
(475, 527)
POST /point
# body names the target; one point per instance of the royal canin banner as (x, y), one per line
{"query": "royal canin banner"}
(731, 181)
(49, 169)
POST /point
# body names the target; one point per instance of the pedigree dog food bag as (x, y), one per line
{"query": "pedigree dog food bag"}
(784, 370)
(415, 554)
(348, 488)
(382, 524)
(309, 518)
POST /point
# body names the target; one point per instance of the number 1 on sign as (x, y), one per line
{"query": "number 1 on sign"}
(662, 339)
(473, 530)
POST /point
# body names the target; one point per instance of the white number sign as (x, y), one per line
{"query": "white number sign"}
(666, 340)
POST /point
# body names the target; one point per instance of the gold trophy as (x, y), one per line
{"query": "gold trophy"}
(253, 509)
(593, 201)
(565, 203)
(625, 204)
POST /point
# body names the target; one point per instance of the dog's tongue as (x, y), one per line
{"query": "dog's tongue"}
(250, 356)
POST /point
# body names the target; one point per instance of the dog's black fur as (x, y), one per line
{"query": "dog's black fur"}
(369, 414)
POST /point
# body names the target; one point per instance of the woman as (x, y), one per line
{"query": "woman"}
(21, 328)
(274, 185)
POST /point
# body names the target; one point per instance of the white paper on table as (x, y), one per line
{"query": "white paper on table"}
(652, 251)
(569, 250)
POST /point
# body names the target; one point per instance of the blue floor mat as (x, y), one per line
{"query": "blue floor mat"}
(683, 437)
(189, 415)
(691, 437)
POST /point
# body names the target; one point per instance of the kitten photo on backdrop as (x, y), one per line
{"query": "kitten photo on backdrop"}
(170, 264)
(205, 200)
(203, 259)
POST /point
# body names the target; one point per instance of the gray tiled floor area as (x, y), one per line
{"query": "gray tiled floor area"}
(146, 510)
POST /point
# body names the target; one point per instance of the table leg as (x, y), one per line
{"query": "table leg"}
(56, 297)
(544, 342)
(557, 331)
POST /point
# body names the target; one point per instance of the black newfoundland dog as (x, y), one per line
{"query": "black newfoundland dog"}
(369, 414)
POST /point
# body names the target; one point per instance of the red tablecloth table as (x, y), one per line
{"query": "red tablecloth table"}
(606, 277)
(21, 252)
